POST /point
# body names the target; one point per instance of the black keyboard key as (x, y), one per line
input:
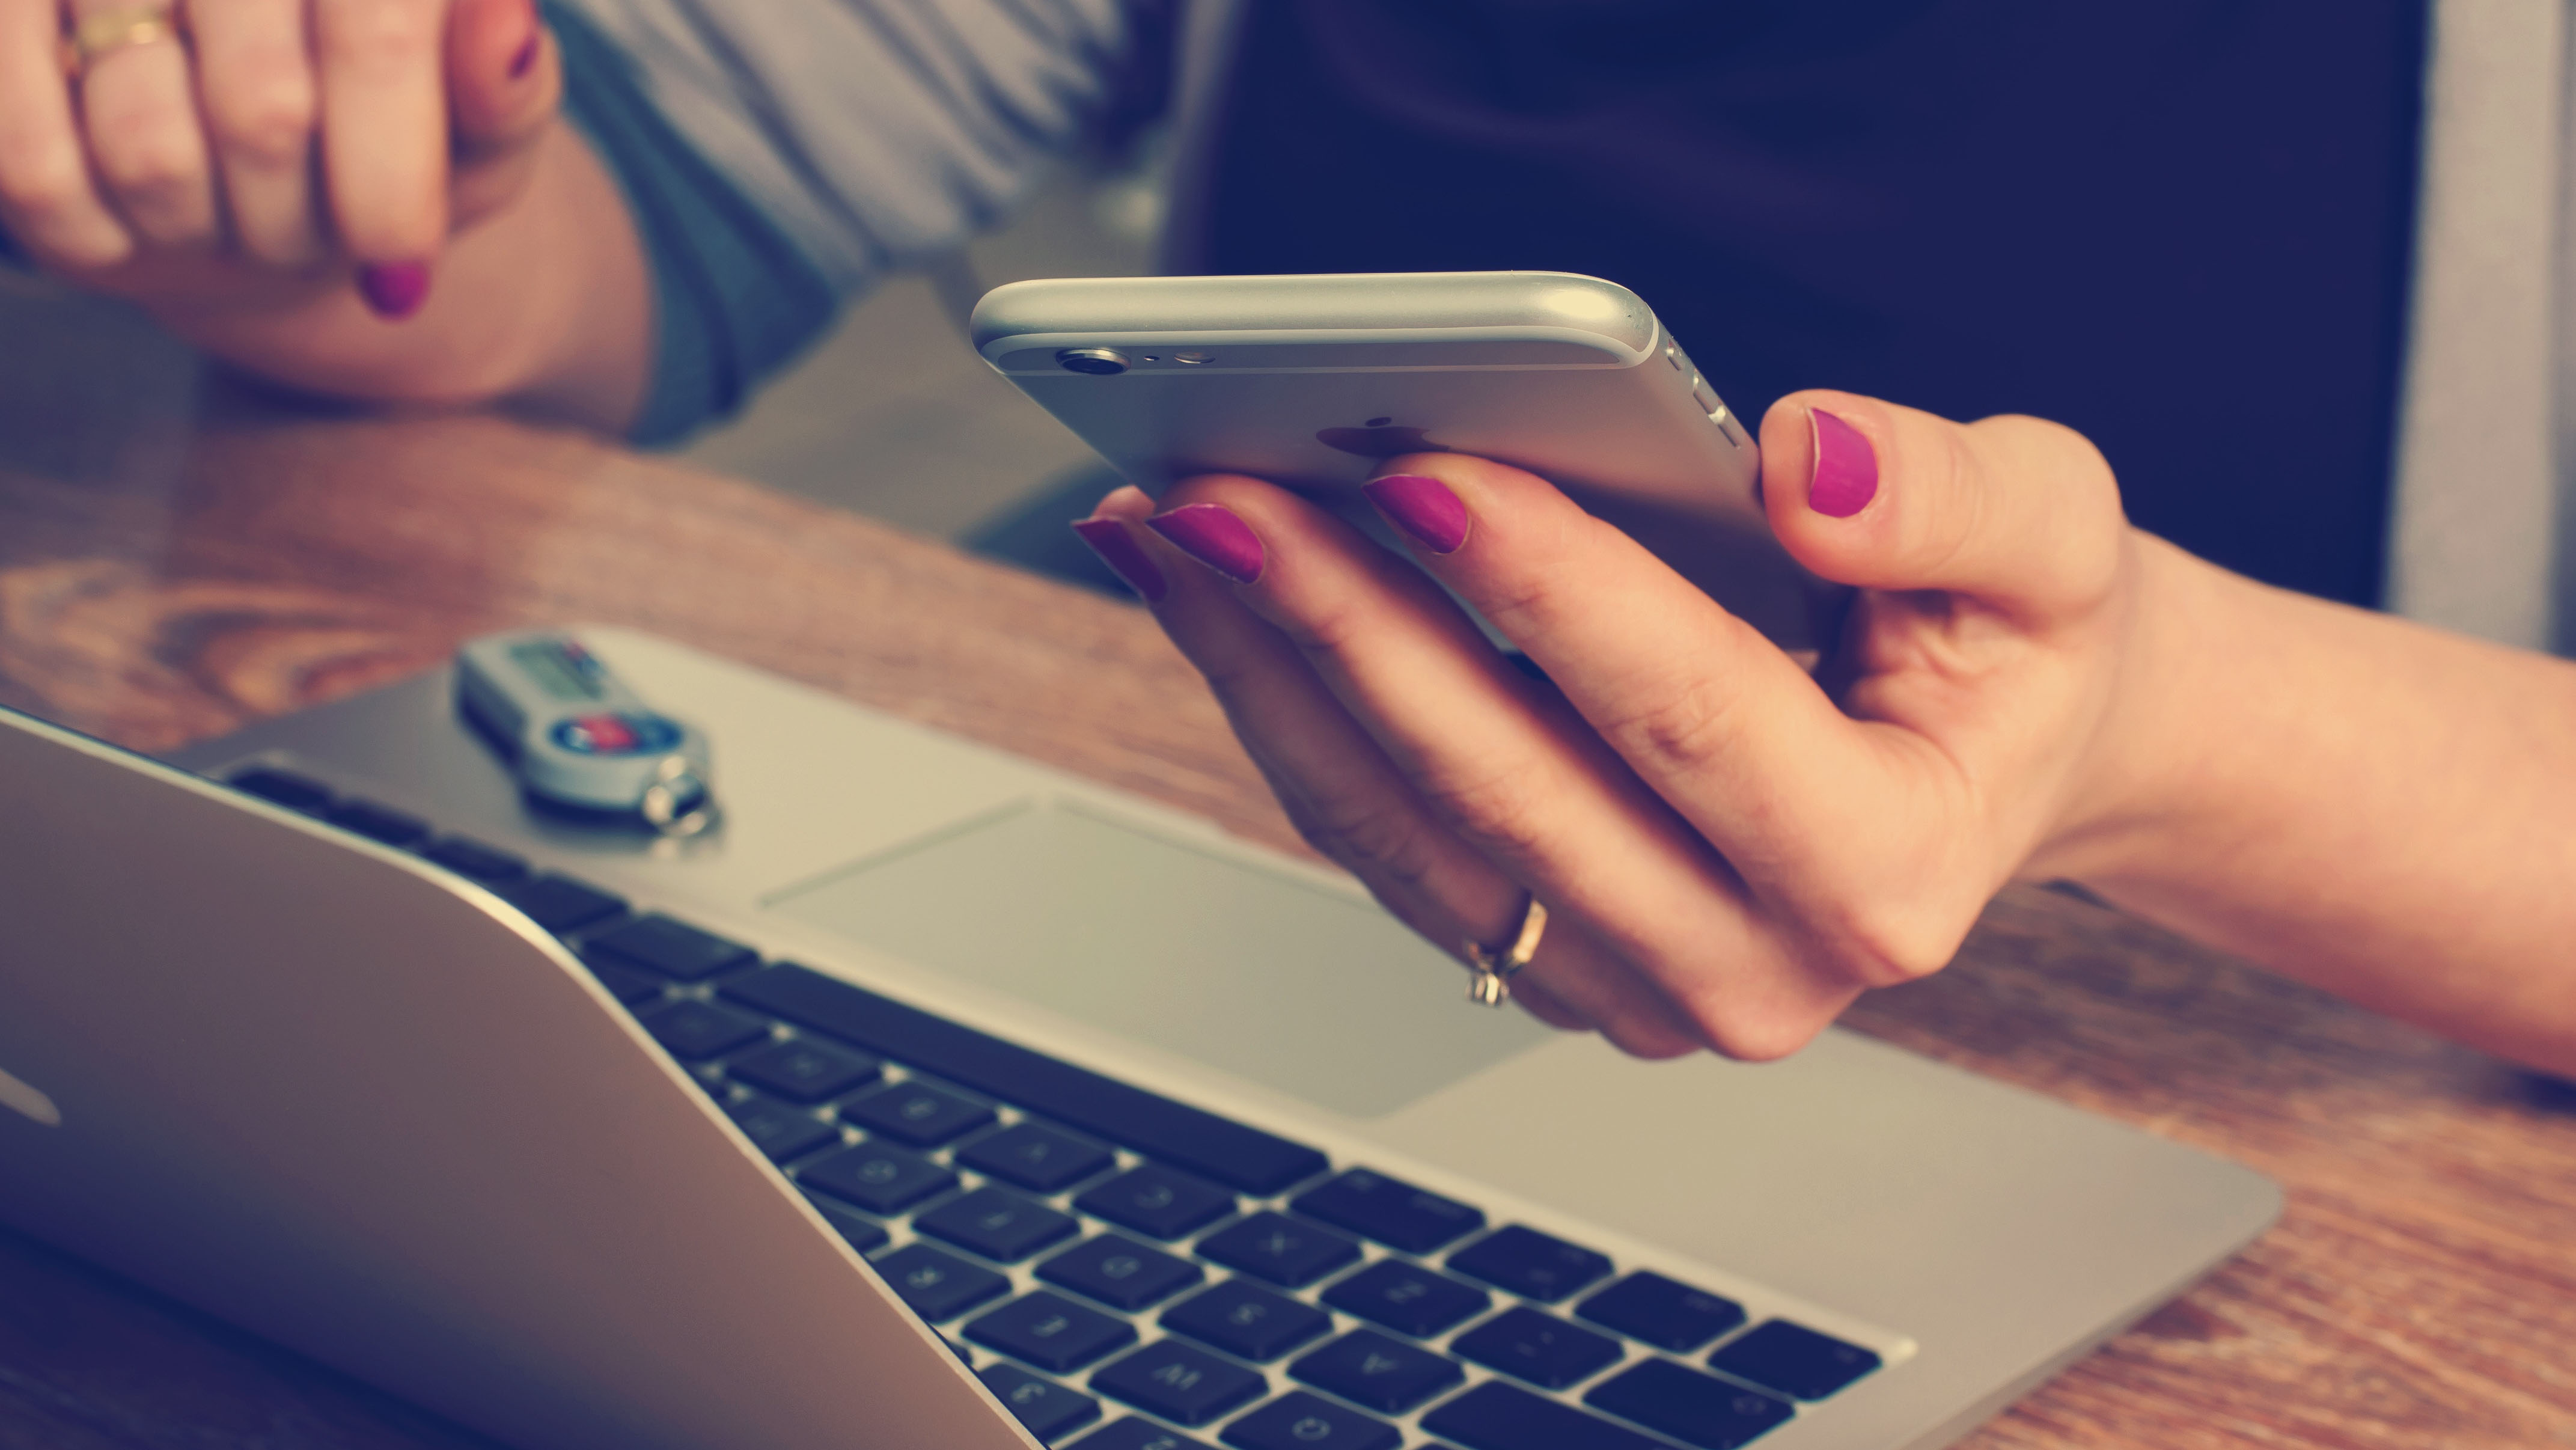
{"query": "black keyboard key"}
(781, 1130)
(1540, 1348)
(916, 1113)
(559, 903)
(1162, 1202)
(696, 1031)
(284, 788)
(1134, 1434)
(1794, 1360)
(1035, 1157)
(1246, 1320)
(1051, 1332)
(630, 987)
(673, 948)
(802, 1070)
(1181, 1384)
(1395, 1214)
(1286, 1251)
(1377, 1373)
(1663, 1312)
(997, 1223)
(1119, 1272)
(378, 823)
(1232, 1153)
(475, 861)
(1049, 1410)
(1408, 1298)
(1697, 1409)
(864, 1233)
(1499, 1416)
(939, 1286)
(878, 1178)
(1530, 1263)
(1300, 1421)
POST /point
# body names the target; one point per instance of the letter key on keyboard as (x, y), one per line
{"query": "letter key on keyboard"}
(1119, 1272)
(1540, 1348)
(939, 1286)
(1530, 1263)
(1035, 1157)
(1184, 1385)
(1162, 1202)
(1300, 1421)
(1382, 1374)
(1242, 1318)
(916, 1113)
(997, 1223)
(803, 1070)
(1408, 1298)
(1051, 1332)
(1280, 1249)
(1394, 1213)
(878, 1178)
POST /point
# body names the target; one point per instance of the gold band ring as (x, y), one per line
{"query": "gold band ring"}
(104, 34)
(1489, 982)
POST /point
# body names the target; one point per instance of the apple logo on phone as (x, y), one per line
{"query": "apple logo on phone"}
(1377, 440)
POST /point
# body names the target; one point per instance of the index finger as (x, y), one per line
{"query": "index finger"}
(384, 126)
(1718, 721)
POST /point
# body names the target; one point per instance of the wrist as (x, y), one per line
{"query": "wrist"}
(2152, 784)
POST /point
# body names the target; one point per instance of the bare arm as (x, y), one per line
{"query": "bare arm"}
(2376, 808)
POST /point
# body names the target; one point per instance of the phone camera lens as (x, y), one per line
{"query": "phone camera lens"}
(1097, 361)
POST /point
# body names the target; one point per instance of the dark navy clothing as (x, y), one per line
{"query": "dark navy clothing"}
(2182, 228)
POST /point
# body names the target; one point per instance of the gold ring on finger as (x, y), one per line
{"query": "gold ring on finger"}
(110, 31)
(1490, 970)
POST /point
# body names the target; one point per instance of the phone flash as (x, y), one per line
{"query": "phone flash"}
(1193, 358)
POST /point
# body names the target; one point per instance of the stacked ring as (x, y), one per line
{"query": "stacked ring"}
(104, 34)
(1490, 971)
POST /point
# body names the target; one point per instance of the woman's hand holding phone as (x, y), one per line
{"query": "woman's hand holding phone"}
(1730, 850)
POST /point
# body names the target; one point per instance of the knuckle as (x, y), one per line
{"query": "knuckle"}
(1499, 808)
(1886, 944)
(155, 167)
(1684, 724)
(267, 120)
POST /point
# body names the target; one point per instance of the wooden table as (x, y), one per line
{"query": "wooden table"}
(2421, 1290)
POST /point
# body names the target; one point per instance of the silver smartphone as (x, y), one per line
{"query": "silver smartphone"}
(1310, 380)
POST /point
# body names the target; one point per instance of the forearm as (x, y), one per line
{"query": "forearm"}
(2379, 809)
(545, 304)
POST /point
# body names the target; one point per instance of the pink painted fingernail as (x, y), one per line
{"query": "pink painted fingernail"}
(1109, 539)
(396, 290)
(1215, 537)
(1422, 507)
(1846, 476)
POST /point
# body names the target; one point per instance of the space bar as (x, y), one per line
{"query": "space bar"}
(1241, 1157)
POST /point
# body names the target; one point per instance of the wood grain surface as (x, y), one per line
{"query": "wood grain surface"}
(2421, 1290)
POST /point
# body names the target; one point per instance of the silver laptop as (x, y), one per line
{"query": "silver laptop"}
(942, 1099)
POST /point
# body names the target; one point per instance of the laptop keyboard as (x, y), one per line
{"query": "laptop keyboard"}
(1127, 1272)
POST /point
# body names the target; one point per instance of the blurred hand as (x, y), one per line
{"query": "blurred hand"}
(1729, 849)
(275, 150)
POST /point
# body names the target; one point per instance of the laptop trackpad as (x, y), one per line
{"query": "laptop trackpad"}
(1118, 926)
